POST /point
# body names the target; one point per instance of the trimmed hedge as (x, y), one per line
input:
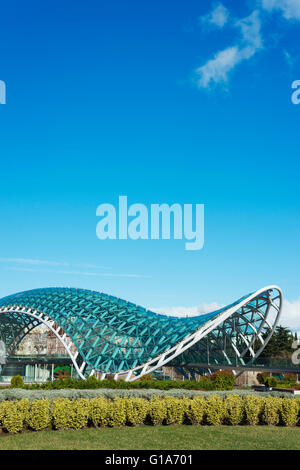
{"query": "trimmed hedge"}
(220, 380)
(62, 413)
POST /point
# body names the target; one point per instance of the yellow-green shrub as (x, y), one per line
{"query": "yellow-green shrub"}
(2, 411)
(23, 407)
(12, 420)
(98, 411)
(67, 414)
(233, 409)
(61, 413)
(157, 410)
(174, 410)
(80, 413)
(116, 412)
(289, 411)
(39, 415)
(136, 410)
(271, 410)
(214, 410)
(195, 410)
(252, 408)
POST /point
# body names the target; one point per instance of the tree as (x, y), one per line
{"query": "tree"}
(280, 344)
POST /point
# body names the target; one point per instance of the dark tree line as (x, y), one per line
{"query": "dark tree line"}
(280, 344)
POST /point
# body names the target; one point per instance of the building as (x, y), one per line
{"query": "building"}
(97, 334)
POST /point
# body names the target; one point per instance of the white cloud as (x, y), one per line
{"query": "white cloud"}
(289, 58)
(32, 261)
(251, 30)
(188, 311)
(218, 17)
(217, 69)
(290, 315)
(39, 262)
(77, 273)
(289, 8)
(38, 268)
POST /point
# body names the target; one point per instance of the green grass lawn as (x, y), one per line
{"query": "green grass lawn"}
(158, 437)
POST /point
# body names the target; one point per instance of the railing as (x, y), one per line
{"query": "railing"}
(38, 359)
(261, 363)
(26, 379)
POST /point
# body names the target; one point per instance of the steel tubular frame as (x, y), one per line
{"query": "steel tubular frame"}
(107, 333)
(190, 340)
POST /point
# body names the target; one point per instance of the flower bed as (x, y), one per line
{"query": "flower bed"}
(221, 380)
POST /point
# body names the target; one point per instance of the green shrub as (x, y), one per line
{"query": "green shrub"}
(252, 408)
(223, 380)
(195, 410)
(220, 380)
(261, 376)
(265, 379)
(136, 410)
(16, 382)
(205, 384)
(270, 382)
(289, 411)
(271, 410)
(92, 382)
(147, 377)
(290, 379)
(214, 410)
(233, 409)
(39, 415)
(157, 411)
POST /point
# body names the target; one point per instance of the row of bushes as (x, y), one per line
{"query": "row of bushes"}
(221, 380)
(63, 413)
(287, 381)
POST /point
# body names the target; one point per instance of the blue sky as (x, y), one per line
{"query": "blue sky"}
(175, 102)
